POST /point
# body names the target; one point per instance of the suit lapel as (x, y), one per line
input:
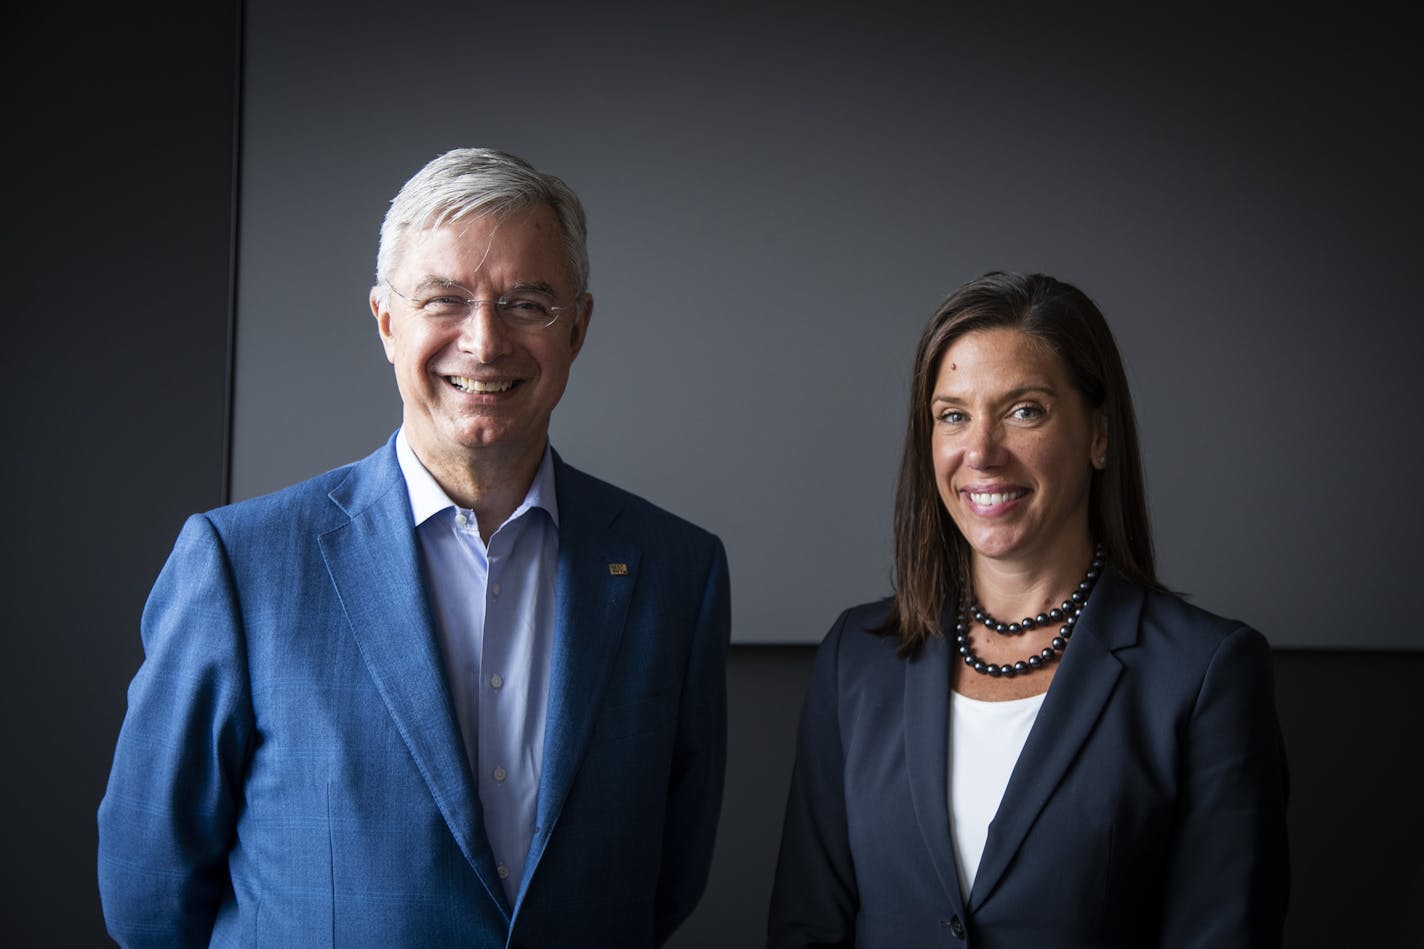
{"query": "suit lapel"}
(375, 567)
(927, 757)
(598, 571)
(1081, 689)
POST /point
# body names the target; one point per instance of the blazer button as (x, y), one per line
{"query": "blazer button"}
(956, 927)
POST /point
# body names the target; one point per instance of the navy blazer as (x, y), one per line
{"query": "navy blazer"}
(290, 772)
(1146, 809)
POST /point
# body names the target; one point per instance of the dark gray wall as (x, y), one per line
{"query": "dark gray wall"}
(118, 188)
(780, 194)
(119, 166)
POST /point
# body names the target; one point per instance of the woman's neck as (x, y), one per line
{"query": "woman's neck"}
(1012, 589)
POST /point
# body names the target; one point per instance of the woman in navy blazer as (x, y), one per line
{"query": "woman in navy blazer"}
(1032, 743)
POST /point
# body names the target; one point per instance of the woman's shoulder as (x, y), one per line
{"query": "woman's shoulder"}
(860, 624)
(857, 640)
(865, 617)
(1179, 610)
(1186, 628)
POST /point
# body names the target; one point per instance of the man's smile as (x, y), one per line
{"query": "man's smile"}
(467, 384)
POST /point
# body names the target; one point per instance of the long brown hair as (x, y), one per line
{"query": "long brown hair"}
(931, 556)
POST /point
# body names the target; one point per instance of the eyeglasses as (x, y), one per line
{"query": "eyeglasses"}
(521, 309)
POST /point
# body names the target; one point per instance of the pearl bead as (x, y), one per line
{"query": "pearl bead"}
(1067, 613)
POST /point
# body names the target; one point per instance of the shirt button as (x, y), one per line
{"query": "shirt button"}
(461, 519)
(503, 872)
(497, 681)
(494, 589)
(499, 773)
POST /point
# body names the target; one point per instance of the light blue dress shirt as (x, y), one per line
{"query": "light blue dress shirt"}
(494, 613)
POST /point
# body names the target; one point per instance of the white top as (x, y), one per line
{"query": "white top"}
(985, 740)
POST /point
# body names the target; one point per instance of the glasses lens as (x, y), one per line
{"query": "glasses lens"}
(445, 303)
(522, 308)
(527, 308)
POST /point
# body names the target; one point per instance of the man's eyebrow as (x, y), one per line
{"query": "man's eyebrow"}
(539, 286)
(434, 282)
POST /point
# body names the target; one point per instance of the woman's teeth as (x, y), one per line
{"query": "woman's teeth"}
(990, 499)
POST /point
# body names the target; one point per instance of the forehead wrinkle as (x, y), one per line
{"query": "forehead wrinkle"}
(489, 244)
(457, 252)
(421, 240)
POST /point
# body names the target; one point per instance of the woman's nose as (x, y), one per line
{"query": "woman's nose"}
(984, 447)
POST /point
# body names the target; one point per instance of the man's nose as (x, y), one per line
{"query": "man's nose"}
(484, 334)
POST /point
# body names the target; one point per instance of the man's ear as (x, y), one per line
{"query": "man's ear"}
(578, 332)
(381, 311)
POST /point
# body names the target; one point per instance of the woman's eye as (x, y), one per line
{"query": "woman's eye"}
(1027, 412)
(952, 417)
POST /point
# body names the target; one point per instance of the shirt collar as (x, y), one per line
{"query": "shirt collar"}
(427, 498)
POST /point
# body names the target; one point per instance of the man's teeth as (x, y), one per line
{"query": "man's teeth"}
(994, 498)
(474, 385)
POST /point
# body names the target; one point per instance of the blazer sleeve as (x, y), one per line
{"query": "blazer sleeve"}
(814, 899)
(699, 763)
(1228, 876)
(167, 819)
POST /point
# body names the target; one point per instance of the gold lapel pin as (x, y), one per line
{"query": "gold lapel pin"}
(618, 569)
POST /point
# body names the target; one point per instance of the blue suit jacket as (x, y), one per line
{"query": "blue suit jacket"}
(289, 772)
(1146, 809)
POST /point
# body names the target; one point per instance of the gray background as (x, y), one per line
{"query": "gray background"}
(121, 167)
(780, 195)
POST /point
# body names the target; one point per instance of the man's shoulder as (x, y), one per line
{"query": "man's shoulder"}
(625, 511)
(326, 497)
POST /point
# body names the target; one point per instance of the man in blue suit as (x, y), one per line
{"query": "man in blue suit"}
(456, 693)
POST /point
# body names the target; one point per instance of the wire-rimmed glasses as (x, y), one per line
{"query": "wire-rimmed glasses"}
(521, 308)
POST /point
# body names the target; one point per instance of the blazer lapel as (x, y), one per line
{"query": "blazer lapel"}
(1080, 690)
(598, 571)
(926, 717)
(375, 567)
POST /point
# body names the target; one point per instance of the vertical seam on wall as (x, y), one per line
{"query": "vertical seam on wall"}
(234, 195)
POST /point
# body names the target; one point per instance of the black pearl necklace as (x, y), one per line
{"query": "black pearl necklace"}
(1066, 613)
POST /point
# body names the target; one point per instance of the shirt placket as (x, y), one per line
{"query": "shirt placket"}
(500, 734)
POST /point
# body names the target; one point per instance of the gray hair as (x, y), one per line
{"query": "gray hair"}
(466, 181)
